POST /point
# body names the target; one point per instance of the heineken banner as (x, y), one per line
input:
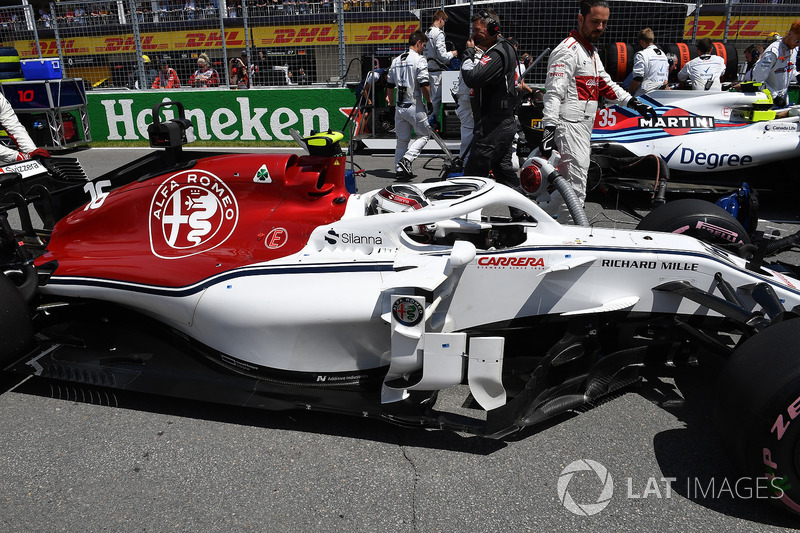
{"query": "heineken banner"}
(223, 115)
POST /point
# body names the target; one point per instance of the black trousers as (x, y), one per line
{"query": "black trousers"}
(491, 150)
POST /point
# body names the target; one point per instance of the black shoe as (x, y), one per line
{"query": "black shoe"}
(405, 169)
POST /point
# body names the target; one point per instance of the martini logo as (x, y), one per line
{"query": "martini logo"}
(677, 122)
(191, 212)
(262, 176)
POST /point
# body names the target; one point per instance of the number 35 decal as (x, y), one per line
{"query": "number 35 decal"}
(97, 193)
(607, 118)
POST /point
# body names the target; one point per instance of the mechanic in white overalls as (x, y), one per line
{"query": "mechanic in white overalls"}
(26, 148)
(464, 110)
(650, 66)
(576, 79)
(777, 66)
(704, 71)
(409, 76)
(438, 57)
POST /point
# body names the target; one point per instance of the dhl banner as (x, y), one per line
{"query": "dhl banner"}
(742, 27)
(211, 39)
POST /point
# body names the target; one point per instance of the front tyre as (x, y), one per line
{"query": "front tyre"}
(699, 219)
(758, 412)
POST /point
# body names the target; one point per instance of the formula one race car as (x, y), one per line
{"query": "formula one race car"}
(261, 280)
(701, 142)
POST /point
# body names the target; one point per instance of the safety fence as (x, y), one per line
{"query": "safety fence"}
(120, 43)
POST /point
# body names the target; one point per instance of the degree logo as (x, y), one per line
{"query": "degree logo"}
(191, 212)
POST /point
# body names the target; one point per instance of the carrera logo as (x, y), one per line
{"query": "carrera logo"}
(518, 262)
(191, 212)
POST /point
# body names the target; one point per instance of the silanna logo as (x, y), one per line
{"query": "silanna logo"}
(334, 238)
(191, 212)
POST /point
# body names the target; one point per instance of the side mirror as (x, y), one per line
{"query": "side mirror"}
(173, 133)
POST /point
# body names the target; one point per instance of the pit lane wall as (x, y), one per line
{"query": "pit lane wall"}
(225, 115)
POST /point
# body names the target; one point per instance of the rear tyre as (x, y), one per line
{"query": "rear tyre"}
(12, 76)
(697, 218)
(16, 329)
(758, 403)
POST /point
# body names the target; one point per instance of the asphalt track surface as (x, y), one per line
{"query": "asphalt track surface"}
(119, 463)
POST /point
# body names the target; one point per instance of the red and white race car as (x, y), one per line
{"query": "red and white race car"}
(265, 281)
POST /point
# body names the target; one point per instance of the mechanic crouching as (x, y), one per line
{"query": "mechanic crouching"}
(489, 69)
(575, 81)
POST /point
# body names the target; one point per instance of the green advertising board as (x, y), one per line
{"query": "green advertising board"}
(222, 115)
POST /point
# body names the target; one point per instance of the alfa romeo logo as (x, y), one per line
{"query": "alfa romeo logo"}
(606, 490)
(407, 311)
(191, 212)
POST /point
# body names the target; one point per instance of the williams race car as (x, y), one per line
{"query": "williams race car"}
(701, 142)
(266, 281)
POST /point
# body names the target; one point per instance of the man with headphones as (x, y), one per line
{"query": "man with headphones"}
(576, 79)
(751, 55)
(488, 69)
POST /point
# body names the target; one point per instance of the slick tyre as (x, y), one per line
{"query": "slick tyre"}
(11, 76)
(697, 218)
(9, 60)
(758, 403)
